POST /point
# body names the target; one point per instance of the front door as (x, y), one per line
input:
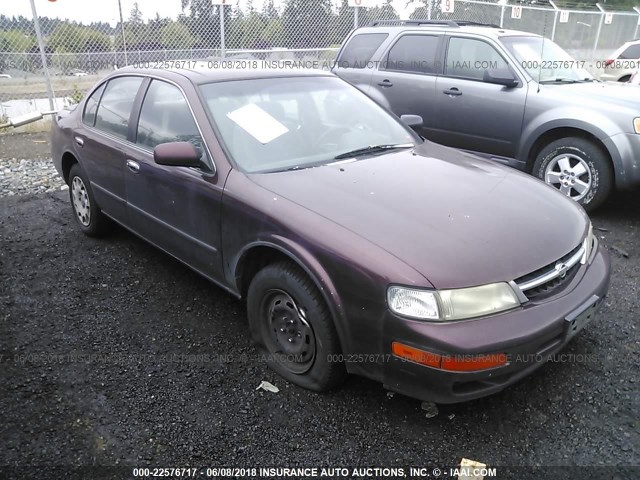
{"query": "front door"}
(175, 208)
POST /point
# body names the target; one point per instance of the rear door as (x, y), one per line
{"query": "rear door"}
(100, 141)
(175, 208)
(472, 114)
(407, 77)
(354, 61)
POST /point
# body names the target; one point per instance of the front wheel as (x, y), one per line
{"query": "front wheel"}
(293, 328)
(577, 168)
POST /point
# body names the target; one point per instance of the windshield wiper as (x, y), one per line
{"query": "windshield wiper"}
(372, 149)
(560, 80)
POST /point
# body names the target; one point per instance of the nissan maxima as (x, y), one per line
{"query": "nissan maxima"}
(359, 246)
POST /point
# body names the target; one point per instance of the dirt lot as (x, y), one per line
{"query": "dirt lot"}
(114, 354)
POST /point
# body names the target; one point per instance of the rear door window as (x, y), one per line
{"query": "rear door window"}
(360, 49)
(414, 53)
(116, 105)
(631, 53)
(90, 108)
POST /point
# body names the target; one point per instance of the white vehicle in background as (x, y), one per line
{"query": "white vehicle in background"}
(622, 63)
(79, 73)
(635, 78)
(5, 75)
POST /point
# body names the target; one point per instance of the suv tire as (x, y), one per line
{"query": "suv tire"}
(569, 164)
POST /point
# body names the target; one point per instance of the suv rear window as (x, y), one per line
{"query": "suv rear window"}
(630, 53)
(358, 52)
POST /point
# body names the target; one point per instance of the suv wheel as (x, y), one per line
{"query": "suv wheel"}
(291, 325)
(577, 168)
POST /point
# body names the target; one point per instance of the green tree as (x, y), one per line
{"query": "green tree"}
(176, 35)
(306, 23)
(15, 41)
(69, 38)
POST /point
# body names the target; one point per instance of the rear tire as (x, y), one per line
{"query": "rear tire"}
(88, 216)
(577, 168)
(293, 328)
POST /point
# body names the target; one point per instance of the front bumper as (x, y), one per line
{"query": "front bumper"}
(529, 336)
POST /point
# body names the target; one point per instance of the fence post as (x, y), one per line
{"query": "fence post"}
(355, 17)
(43, 56)
(555, 20)
(502, 16)
(221, 13)
(635, 35)
(124, 38)
(595, 45)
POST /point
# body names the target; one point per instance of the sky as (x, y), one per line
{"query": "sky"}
(89, 11)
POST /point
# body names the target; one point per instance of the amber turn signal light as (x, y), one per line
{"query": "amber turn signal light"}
(451, 363)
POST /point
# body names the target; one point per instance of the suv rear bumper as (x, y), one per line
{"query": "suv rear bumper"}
(529, 336)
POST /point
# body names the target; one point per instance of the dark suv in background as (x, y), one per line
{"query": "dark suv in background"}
(510, 96)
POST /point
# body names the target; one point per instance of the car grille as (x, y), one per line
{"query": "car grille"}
(547, 280)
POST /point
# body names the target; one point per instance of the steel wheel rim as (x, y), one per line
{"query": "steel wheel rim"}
(81, 203)
(289, 336)
(569, 174)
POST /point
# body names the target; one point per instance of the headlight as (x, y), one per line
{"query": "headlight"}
(588, 244)
(455, 304)
(636, 124)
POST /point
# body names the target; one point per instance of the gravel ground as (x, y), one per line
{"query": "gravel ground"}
(114, 354)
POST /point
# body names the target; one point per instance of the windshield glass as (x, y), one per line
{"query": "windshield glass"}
(545, 61)
(283, 123)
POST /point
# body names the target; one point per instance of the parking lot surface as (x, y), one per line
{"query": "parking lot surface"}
(112, 353)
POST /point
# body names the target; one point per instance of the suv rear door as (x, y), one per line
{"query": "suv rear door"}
(406, 76)
(473, 114)
(354, 60)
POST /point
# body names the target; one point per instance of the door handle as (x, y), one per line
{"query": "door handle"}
(385, 83)
(133, 166)
(453, 91)
(79, 141)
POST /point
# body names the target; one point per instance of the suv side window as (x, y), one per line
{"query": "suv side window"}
(166, 117)
(116, 104)
(470, 58)
(360, 49)
(632, 52)
(414, 53)
(91, 106)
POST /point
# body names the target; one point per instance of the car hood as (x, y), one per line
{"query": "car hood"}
(595, 93)
(457, 219)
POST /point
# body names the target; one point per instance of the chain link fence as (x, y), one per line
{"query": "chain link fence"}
(48, 69)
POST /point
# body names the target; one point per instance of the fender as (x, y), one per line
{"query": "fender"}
(305, 260)
(598, 125)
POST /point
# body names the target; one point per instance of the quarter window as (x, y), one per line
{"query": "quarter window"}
(469, 58)
(414, 53)
(90, 108)
(116, 104)
(166, 117)
(360, 49)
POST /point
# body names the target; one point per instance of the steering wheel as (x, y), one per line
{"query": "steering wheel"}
(337, 131)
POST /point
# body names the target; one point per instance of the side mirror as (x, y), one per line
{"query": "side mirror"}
(177, 154)
(501, 76)
(412, 120)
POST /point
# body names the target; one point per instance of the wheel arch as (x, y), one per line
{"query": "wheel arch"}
(68, 161)
(255, 256)
(556, 133)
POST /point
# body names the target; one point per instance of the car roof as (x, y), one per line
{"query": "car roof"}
(487, 30)
(208, 71)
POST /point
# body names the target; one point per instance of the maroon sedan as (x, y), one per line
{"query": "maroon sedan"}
(359, 247)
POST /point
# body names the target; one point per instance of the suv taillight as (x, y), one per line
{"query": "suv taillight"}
(608, 62)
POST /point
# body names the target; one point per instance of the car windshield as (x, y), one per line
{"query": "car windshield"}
(545, 61)
(279, 124)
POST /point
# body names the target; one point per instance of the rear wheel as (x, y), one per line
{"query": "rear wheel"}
(577, 168)
(85, 209)
(293, 328)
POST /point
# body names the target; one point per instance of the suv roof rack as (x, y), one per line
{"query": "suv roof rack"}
(420, 23)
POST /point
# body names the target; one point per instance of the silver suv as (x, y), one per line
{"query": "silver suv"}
(510, 96)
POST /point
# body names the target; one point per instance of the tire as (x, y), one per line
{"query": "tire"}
(88, 216)
(283, 303)
(588, 165)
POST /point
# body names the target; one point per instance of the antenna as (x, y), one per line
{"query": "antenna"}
(544, 36)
